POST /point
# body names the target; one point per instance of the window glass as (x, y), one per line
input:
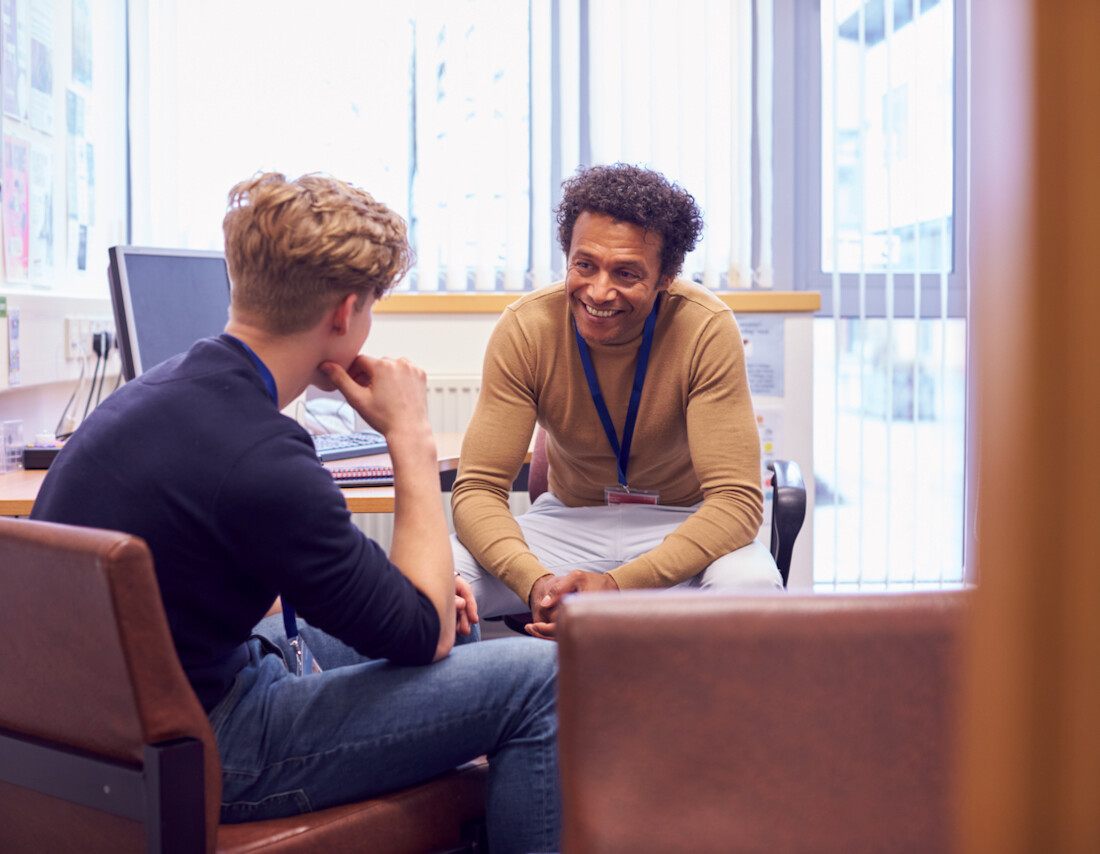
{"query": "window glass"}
(889, 414)
(889, 390)
(421, 103)
(887, 137)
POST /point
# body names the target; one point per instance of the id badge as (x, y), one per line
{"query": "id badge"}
(303, 658)
(619, 494)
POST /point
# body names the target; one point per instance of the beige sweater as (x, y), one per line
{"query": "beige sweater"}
(695, 440)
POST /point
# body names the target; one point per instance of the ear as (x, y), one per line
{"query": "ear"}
(341, 314)
(664, 282)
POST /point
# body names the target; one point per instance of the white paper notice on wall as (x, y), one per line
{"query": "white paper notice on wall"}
(769, 421)
(3, 342)
(762, 335)
(13, 346)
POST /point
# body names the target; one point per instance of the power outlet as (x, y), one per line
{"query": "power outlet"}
(75, 337)
(79, 331)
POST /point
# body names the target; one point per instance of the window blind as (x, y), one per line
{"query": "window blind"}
(889, 427)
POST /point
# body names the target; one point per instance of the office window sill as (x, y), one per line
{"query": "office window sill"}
(495, 302)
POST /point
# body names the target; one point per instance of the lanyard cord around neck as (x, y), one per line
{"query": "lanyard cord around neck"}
(622, 454)
(290, 624)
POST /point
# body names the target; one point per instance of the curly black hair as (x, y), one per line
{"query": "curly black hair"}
(635, 195)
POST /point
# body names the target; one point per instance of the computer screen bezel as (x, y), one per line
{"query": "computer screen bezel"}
(122, 303)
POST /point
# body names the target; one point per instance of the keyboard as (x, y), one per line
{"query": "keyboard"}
(340, 446)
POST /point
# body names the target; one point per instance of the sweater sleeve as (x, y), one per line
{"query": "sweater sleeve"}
(493, 452)
(725, 454)
(297, 538)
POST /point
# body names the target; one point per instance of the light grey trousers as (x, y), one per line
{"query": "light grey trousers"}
(599, 539)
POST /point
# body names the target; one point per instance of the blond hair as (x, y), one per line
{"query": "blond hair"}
(295, 248)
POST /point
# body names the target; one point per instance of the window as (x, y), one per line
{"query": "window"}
(424, 103)
(825, 141)
(882, 236)
(463, 115)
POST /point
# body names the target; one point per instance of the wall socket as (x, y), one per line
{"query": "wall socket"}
(79, 330)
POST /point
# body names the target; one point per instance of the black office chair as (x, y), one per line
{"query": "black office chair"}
(788, 510)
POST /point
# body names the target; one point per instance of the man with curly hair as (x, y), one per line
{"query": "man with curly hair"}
(639, 381)
(195, 458)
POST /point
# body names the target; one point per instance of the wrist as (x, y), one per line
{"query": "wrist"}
(535, 588)
(412, 444)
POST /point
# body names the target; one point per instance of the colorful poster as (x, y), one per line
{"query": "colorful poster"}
(41, 212)
(42, 66)
(15, 73)
(82, 42)
(16, 203)
(79, 179)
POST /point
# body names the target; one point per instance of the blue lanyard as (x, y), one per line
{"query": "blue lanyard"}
(622, 453)
(265, 373)
(290, 624)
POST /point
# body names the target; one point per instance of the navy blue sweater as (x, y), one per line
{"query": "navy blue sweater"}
(194, 457)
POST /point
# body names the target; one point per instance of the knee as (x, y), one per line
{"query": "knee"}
(543, 661)
(463, 560)
(536, 659)
(748, 568)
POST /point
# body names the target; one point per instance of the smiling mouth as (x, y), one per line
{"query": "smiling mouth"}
(599, 312)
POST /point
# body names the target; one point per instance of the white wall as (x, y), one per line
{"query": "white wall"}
(47, 377)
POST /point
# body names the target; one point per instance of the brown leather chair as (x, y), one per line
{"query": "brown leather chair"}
(711, 722)
(104, 746)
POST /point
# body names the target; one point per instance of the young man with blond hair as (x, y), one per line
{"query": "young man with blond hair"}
(195, 457)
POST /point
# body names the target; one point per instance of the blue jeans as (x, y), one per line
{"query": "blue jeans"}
(364, 727)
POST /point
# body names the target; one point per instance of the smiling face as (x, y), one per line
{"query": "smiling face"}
(613, 278)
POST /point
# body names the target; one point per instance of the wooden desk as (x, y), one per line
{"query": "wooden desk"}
(19, 489)
(379, 499)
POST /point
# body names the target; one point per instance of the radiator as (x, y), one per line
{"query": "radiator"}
(451, 400)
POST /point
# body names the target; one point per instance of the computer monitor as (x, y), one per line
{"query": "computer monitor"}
(164, 301)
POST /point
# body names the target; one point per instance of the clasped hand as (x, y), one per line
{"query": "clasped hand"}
(549, 590)
(465, 606)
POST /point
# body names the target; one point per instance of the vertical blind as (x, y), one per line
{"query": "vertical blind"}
(680, 87)
(890, 446)
(463, 115)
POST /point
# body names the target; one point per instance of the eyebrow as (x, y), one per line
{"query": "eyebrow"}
(636, 262)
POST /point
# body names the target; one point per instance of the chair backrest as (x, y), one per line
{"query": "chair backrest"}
(87, 661)
(779, 723)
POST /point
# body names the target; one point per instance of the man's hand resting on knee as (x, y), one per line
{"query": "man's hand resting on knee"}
(548, 592)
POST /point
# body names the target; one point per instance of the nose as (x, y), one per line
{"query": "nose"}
(601, 288)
